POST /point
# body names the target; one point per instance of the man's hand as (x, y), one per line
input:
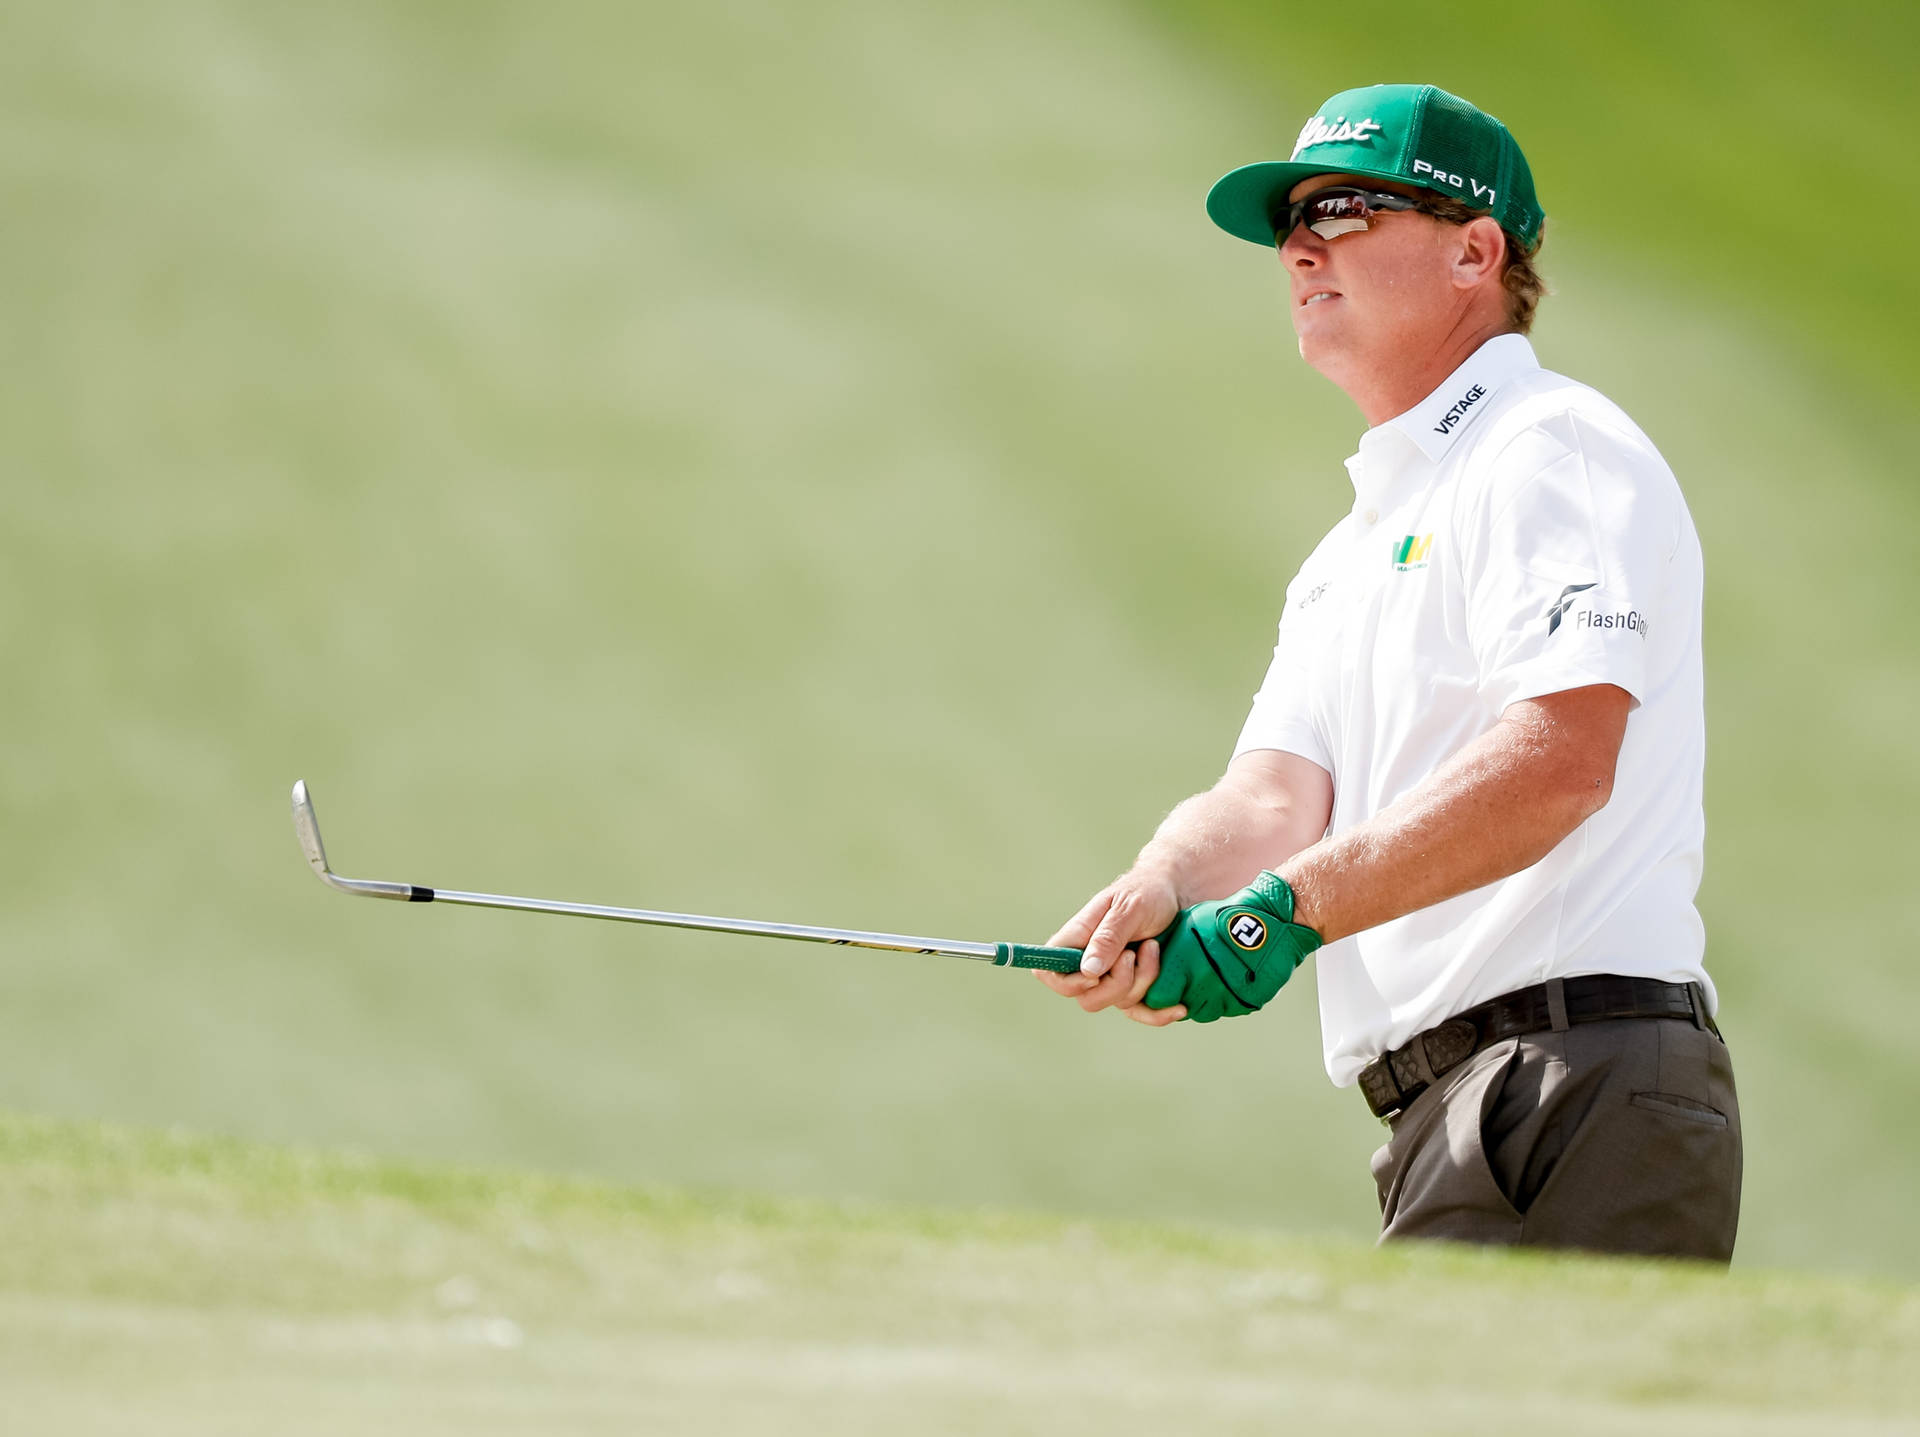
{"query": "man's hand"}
(1228, 958)
(1266, 807)
(1117, 928)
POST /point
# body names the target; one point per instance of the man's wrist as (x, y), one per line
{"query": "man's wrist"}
(1309, 910)
(1164, 865)
(1270, 892)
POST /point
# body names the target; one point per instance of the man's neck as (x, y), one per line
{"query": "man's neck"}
(1386, 391)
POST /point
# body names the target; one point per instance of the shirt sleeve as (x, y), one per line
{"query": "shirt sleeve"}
(1281, 717)
(1569, 557)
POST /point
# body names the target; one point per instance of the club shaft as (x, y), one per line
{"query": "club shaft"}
(306, 827)
(845, 937)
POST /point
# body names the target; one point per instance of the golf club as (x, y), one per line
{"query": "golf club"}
(1016, 955)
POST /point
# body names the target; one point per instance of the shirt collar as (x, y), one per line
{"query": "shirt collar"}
(1392, 451)
(1438, 421)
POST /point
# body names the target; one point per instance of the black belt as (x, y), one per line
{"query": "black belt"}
(1392, 1081)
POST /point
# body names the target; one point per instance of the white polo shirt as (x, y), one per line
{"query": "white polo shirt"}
(1512, 535)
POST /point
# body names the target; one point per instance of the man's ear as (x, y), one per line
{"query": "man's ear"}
(1480, 250)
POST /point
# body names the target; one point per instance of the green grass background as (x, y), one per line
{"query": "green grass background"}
(156, 1284)
(817, 462)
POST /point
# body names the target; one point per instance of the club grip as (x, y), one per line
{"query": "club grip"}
(1053, 960)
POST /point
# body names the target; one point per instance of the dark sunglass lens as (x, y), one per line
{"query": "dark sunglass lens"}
(1336, 212)
(1337, 207)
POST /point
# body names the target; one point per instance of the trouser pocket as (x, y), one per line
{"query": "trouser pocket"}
(1433, 1174)
(1676, 1106)
(1649, 1136)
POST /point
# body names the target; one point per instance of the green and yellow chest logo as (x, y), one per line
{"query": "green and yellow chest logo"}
(1411, 552)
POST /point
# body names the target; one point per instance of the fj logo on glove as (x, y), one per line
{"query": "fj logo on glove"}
(1246, 930)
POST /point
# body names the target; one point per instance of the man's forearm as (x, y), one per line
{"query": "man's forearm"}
(1261, 812)
(1499, 805)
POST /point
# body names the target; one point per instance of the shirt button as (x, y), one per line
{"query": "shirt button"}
(1372, 516)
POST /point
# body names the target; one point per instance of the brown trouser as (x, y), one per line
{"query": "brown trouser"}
(1621, 1136)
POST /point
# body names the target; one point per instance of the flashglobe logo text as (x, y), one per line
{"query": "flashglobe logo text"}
(1633, 621)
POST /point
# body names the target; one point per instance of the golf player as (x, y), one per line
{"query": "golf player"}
(1471, 780)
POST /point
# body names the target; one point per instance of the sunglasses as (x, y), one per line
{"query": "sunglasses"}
(1338, 210)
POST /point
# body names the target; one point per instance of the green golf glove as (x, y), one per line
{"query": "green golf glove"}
(1227, 958)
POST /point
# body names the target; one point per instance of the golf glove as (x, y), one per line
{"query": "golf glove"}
(1227, 958)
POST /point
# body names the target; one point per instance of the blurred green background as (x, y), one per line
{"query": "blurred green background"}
(816, 461)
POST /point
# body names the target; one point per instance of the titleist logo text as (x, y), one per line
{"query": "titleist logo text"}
(1318, 132)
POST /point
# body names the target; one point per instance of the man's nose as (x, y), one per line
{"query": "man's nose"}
(1302, 249)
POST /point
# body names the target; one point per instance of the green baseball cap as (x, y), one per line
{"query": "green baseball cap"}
(1416, 134)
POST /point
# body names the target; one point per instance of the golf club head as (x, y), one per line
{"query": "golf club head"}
(306, 827)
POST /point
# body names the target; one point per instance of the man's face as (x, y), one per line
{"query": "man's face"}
(1376, 297)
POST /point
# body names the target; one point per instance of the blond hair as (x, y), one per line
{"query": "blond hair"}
(1525, 289)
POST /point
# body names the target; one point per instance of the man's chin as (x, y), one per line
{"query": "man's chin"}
(1318, 347)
